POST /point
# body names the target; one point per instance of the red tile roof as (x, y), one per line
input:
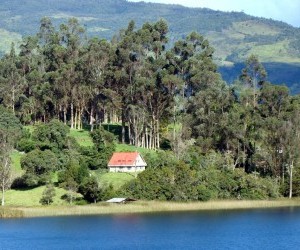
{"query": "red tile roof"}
(123, 159)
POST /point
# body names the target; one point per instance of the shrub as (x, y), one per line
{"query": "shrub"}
(48, 195)
(26, 145)
(38, 166)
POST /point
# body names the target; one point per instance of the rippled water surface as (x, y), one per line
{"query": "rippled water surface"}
(246, 229)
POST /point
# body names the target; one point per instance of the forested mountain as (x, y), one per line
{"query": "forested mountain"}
(234, 35)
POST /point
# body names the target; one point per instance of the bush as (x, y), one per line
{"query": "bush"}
(38, 166)
(26, 145)
(52, 135)
(48, 195)
(204, 193)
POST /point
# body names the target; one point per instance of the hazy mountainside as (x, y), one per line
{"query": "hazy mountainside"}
(234, 35)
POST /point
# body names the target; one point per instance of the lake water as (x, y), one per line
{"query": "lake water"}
(246, 229)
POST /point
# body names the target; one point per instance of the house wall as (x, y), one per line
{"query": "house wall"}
(127, 169)
(140, 161)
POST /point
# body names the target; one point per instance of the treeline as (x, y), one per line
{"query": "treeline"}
(133, 79)
(163, 98)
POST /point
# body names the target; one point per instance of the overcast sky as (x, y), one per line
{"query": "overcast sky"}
(282, 10)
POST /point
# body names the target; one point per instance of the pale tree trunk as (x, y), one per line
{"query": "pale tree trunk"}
(76, 119)
(80, 118)
(146, 138)
(13, 100)
(157, 134)
(291, 179)
(123, 126)
(72, 115)
(5, 175)
(65, 115)
(92, 119)
(3, 195)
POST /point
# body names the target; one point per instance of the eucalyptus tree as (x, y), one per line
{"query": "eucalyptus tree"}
(11, 84)
(33, 102)
(52, 59)
(72, 39)
(94, 65)
(153, 87)
(209, 98)
(123, 67)
(274, 107)
(253, 76)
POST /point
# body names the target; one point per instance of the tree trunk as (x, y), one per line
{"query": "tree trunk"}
(123, 126)
(3, 195)
(13, 100)
(129, 134)
(291, 180)
(65, 115)
(157, 135)
(92, 120)
(72, 115)
(76, 119)
(146, 138)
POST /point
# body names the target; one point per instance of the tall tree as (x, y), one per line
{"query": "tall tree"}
(11, 81)
(10, 130)
(253, 76)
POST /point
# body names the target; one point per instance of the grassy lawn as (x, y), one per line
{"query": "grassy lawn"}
(116, 179)
(31, 197)
(16, 166)
(82, 137)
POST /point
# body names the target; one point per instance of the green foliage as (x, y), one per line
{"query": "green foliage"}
(71, 186)
(52, 135)
(90, 189)
(38, 166)
(104, 146)
(48, 194)
(10, 126)
(93, 159)
(74, 171)
(182, 183)
(26, 145)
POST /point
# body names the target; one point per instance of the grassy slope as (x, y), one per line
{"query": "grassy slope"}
(82, 137)
(16, 166)
(116, 179)
(242, 39)
(31, 197)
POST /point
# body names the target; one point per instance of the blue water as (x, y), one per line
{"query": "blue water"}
(247, 229)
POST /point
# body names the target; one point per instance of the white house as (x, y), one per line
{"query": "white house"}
(126, 162)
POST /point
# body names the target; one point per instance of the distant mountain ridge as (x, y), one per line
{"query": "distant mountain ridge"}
(234, 35)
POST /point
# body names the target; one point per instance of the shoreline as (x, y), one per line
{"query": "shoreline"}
(139, 207)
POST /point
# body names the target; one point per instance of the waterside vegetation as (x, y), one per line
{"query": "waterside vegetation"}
(143, 207)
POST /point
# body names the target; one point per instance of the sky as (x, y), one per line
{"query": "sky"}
(282, 10)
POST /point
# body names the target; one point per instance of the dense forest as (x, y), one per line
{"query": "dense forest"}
(214, 140)
(234, 35)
